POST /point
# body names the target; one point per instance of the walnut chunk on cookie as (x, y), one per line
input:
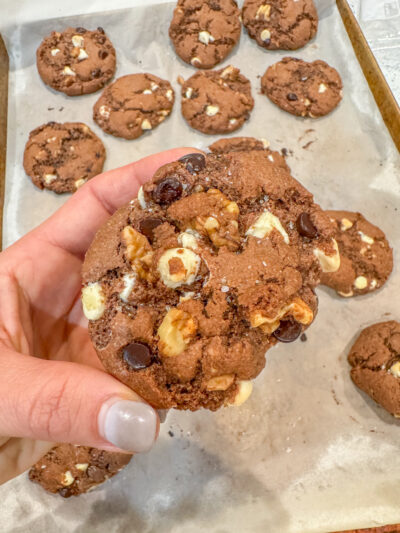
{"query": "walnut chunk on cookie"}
(226, 251)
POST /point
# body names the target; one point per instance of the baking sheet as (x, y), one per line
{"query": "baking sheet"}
(307, 452)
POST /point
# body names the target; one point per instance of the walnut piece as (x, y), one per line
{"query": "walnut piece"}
(298, 309)
(138, 252)
(220, 382)
(175, 332)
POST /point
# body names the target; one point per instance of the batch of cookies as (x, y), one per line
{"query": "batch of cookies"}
(218, 258)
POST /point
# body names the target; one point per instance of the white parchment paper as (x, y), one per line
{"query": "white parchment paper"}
(307, 452)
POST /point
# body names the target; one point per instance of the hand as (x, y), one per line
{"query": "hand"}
(52, 385)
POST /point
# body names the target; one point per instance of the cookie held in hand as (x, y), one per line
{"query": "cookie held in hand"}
(189, 285)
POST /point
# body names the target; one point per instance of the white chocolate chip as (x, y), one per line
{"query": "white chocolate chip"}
(68, 71)
(188, 239)
(82, 54)
(141, 200)
(346, 294)
(164, 112)
(170, 95)
(175, 332)
(322, 88)
(205, 37)
(93, 301)
(271, 158)
(146, 125)
(49, 178)
(104, 111)
(227, 71)
(189, 263)
(265, 34)
(80, 182)
(373, 284)
(189, 92)
(265, 224)
(195, 61)
(265, 143)
(366, 238)
(232, 121)
(244, 392)
(129, 282)
(212, 110)
(82, 466)
(345, 224)
(329, 263)
(307, 102)
(55, 51)
(263, 12)
(68, 479)
(147, 91)
(361, 282)
(77, 40)
(395, 369)
(154, 86)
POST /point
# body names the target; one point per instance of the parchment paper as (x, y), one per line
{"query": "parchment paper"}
(307, 452)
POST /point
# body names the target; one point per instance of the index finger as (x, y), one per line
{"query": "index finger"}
(74, 225)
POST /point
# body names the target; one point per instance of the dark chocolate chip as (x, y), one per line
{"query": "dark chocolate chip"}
(305, 226)
(148, 225)
(267, 42)
(80, 30)
(284, 152)
(167, 191)
(97, 155)
(103, 54)
(95, 474)
(65, 492)
(100, 29)
(288, 331)
(291, 97)
(96, 73)
(303, 337)
(194, 162)
(137, 355)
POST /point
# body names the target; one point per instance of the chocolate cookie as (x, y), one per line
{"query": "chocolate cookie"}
(76, 61)
(375, 361)
(366, 257)
(247, 144)
(71, 470)
(203, 32)
(133, 105)
(188, 286)
(62, 157)
(280, 24)
(217, 101)
(301, 88)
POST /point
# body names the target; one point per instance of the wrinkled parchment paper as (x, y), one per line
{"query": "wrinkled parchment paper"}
(308, 452)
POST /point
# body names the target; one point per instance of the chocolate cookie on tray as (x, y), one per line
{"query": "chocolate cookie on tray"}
(375, 361)
(301, 88)
(134, 104)
(247, 144)
(366, 256)
(280, 24)
(71, 470)
(188, 285)
(76, 61)
(217, 101)
(62, 157)
(204, 32)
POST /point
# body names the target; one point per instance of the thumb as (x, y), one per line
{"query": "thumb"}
(67, 402)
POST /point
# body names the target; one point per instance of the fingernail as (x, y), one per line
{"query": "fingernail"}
(131, 426)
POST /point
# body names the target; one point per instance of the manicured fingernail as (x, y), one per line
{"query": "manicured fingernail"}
(131, 426)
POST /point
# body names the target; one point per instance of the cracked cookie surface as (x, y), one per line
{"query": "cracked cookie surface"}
(61, 157)
(76, 61)
(366, 257)
(375, 361)
(217, 101)
(189, 285)
(301, 88)
(134, 104)
(280, 24)
(204, 32)
(247, 144)
(71, 470)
